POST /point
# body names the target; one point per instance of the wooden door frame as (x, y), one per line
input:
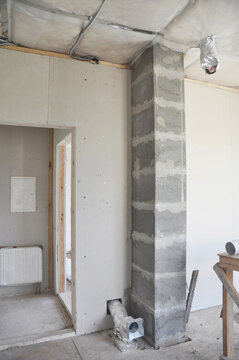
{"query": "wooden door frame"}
(60, 213)
(50, 210)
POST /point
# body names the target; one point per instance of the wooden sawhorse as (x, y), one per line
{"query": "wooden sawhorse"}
(224, 270)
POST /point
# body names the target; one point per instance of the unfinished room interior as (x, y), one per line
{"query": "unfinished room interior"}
(119, 180)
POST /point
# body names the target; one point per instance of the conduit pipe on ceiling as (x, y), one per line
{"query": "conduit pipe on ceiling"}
(126, 328)
(80, 36)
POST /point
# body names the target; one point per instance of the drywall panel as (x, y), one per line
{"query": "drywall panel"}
(81, 92)
(95, 100)
(212, 131)
(24, 151)
(24, 88)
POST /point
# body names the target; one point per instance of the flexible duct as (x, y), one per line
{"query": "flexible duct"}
(126, 328)
(208, 55)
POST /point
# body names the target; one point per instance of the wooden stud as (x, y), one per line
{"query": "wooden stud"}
(229, 294)
(228, 347)
(229, 261)
(59, 55)
(50, 210)
(227, 282)
(61, 229)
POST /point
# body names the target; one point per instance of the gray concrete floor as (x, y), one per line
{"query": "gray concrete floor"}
(204, 329)
(28, 315)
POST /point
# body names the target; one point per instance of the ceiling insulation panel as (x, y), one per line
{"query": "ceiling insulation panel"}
(151, 15)
(202, 18)
(117, 45)
(39, 29)
(82, 7)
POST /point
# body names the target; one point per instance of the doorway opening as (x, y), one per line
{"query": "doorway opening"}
(29, 155)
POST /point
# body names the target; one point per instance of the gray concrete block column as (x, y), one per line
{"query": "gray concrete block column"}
(158, 195)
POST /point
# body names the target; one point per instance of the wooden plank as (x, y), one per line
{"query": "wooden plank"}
(191, 291)
(227, 260)
(229, 266)
(61, 230)
(227, 282)
(50, 210)
(59, 55)
(228, 347)
(211, 85)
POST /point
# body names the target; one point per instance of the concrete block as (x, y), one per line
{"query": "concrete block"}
(159, 285)
(169, 189)
(167, 58)
(168, 222)
(143, 188)
(145, 154)
(170, 328)
(143, 122)
(169, 119)
(143, 255)
(143, 91)
(140, 310)
(143, 287)
(170, 292)
(168, 89)
(143, 62)
(143, 221)
(171, 258)
(185, 188)
(170, 152)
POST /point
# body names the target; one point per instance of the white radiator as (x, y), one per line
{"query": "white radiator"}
(20, 266)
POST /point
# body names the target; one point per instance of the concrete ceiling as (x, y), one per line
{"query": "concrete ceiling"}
(123, 29)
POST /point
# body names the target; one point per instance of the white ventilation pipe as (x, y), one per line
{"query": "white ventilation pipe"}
(232, 247)
(126, 328)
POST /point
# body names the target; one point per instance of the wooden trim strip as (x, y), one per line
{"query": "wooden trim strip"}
(59, 55)
(211, 85)
(50, 210)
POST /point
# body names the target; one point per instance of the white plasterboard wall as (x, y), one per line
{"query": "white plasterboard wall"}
(24, 151)
(95, 100)
(212, 136)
